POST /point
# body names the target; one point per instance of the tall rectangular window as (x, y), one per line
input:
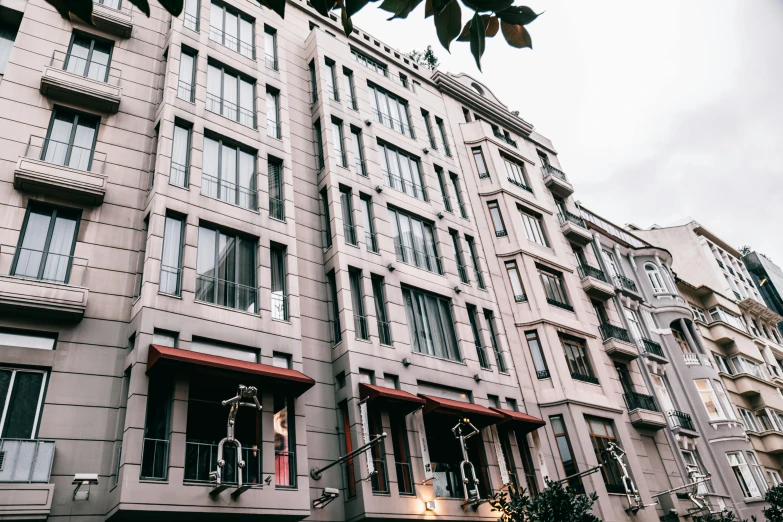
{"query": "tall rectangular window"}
(70, 140)
(539, 361)
(319, 145)
(566, 453)
(232, 29)
(349, 94)
(414, 241)
(276, 196)
(231, 95)
(273, 127)
(358, 151)
(350, 467)
(443, 136)
(370, 241)
(327, 221)
(515, 279)
(334, 307)
(349, 230)
(497, 219)
(554, 287)
(430, 324)
(285, 442)
(399, 439)
(155, 447)
(270, 48)
(339, 143)
(428, 125)
(180, 155)
(187, 75)
(390, 110)
(46, 244)
(89, 57)
(515, 173)
(458, 195)
(229, 173)
(331, 80)
(21, 400)
(461, 269)
(379, 298)
(481, 165)
(279, 304)
(757, 471)
(475, 260)
(577, 359)
(370, 63)
(361, 328)
(534, 228)
(226, 270)
(313, 82)
(601, 434)
(489, 318)
(401, 171)
(743, 475)
(171, 259)
(474, 327)
(190, 16)
(710, 399)
(442, 184)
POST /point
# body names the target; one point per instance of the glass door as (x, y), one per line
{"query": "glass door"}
(71, 140)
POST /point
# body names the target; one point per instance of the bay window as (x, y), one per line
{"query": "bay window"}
(226, 270)
(515, 173)
(401, 171)
(231, 95)
(554, 287)
(390, 110)
(534, 228)
(414, 241)
(229, 173)
(430, 324)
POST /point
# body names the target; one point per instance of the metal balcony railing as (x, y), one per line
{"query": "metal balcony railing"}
(279, 306)
(519, 184)
(360, 327)
(521, 298)
(230, 110)
(185, 90)
(650, 346)
(361, 167)
(559, 304)
(640, 401)
(350, 234)
(482, 356)
(26, 461)
(351, 102)
(334, 92)
(417, 257)
(393, 123)
(65, 154)
(463, 210)
(678, 419)
(277, 209)
(501, 233)
(626, 283)
(479, 278)
(549, 170)
(246, 49)
(610, 331)
(42, 265)
(406, 186)
(270, 62)
(226, 293)
(201, 460)
(91, 69)
(190, 22)
(503, 137)
(542, 374)
(584, 378)
(463, 273)
(285, 468)
(567, 217)
(231, 193)
(178, 175)
(589, 271)
(384, 333)
(155, 459)
(371, 242)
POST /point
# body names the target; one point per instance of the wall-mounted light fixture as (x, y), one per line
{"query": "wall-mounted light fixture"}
(429, 505)
(83, 481)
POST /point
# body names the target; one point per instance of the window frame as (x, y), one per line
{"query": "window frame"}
(193, 54)
(240, 16)
(226, 70)
(58, 109)
(555, 290)
(272, 32)
(577, 358)
(188, 127)
(477, 154)
(180, 253)
(534, 227)
(251, 191)
(496, 218)
(93, 39)
(445, 305)
(655, 278)
(4, 407)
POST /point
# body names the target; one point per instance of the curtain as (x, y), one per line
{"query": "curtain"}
(228, 174)
(205, 265)
(356, 293)
(275, 185)
(30, 253)
(58, 257)
(278, 271)
(246, 275)
(230, 96)
(170, 260)
(247, 116)
(247, 180)
(210, 170)
(214, 90)
(81, 150)
(186, 73)
(231, 31)
(380, 306)
(179, 156)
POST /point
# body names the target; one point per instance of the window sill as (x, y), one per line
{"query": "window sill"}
(173, 296)
(251, 127)
(287, 488)
(230, 204)
(382, 493)
(237, 310)
(152, 481)
(187, 101)
(281, 321)
(461, 362)
(183, 187)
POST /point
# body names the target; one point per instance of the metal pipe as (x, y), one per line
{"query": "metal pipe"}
(580, 474)
(315, 473)
(705, 479)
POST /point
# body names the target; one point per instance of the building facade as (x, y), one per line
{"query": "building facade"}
(230, 228)
(768, 278)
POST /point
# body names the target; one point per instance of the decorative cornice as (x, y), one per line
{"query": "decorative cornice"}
(527, 202)
(559, 327)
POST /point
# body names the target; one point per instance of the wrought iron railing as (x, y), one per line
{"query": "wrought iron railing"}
(610, 331)
(26, 461)
(230, 110)
(463, 273)
(626, 283)
(155, 459)
(589, 271)
(201, 460)
(246, 49)
(361, 167)
(650, 346)
(503, 137)
(542, 374)
(90, 69)
(567, 217)
(178, 175)
(678, 419)
(384, 333)
(406, 186)
(518, 183)
(463, 210)
(274, 129)
(231, 193)
(371, 242)
(559, 304)
(549, 170)
(190, 22)
(417, 257)
(479, 278)
(226, 293)
(501, 233)
(277, 209)
(393, 123)
(279, 306)
(482, 356)
(185, 90)
(270, 62)
(520, 298)
(584, 378)
(640, 401)
(65, 154)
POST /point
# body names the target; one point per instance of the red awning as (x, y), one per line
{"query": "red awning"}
(162, 356)
(401, 401)
(478, 415)
(522, 422)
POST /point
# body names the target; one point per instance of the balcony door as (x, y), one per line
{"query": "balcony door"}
(89, 57)
(70, 140)
(21, 399)
(46, 247)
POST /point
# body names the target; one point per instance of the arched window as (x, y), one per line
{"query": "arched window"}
(655, 278)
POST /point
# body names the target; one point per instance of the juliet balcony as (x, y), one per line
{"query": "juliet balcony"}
(63, 170)
(644, 412)
(626, 285)
(25, 467)
(652, 349)
(617, 342)
(89, 84)
(595, 283)
(113, 16)
(574, 228)
(556, 181)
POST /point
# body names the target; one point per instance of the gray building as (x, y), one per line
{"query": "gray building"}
(768, 278)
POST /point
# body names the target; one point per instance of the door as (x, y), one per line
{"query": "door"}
(46, 249)
(89, 57)
(71, 140)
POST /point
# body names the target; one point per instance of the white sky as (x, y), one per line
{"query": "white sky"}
(659, 110)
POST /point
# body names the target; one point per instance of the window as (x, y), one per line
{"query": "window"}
(743, 475)
(442, 185)
(155, 447)
(748, 419)
(46, 244)
(350, 466)
(21, 400)
(390, 110)
(190, 17)
(458, 195)
(489, 318)
(774, 478)
(232, 29)
(516, 281)
(655, 278)
(331, 284)
(461, 269)
(481, 165)
(331, 80)
(534, 229)
(497, 219)
(379, 298)
(610, 263)
(682, 342)
(370, 63)
(722, 363)
(231, 95)
(226, 270)
(719, 314)
(515, 173)
(70, 140)
(634, 323)
(273, 128)
(25, 339)
(361, 328)
(348, 229)
(370, 241)
(229, 173)
(319, 145)
(327, 222)
(698, 314)
(554, 288)
(277, 254)
(539, 362)
(145, 224)
(724, 400)
(276, 197)
(696, 471)
(401, 171)
(399, 440)
(577, 359)
(270, 48)
(601, 434)
(663, 395)
(350, 95)
(430, 324)
(171, 259)
(339, 145)
(285, 444)
(358, 150)
(710, 399)
(313, 82)
(743, 365)
(566, 453)
(89, 57)
(414, 241)
(474, 327)
(180, 155)
(474, 259)
(187, 75)
(428, 125)
(7, 38)
(765, 420)
(443, 136)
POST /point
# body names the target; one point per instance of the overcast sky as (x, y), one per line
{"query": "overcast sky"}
(659, 110)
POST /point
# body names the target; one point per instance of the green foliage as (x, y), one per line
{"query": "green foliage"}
(488, 17)
(721, 516)
(774, 497)
(426, 58)
(745, 250)
(555, 503)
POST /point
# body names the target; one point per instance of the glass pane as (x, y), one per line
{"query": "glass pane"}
(81, 151)
(226, 270)
(185, 87)
(23, 407)
(58, 258)
(30, 254)
(247, 113)
(179, 156)
(246, 276)
(170, 262)
(231, 31)
(246, 38)
(56, 149)
(205, 264)
(228, 174)
(214, 81)
(247, 180)
(99, 62)
(216, 22)
(230, 95)
(209, 178)
(76, 61)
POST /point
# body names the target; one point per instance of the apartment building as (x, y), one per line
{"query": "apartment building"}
(735, 335)
(768, 278)
(227, 228)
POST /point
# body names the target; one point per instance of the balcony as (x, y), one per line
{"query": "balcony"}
(773, 441)
(25, 492)
(574, 228)
(53, 168)
(556, 181)
(751, 386)
(679, 421)
(651, 348)
(617, 342)
(406, 186)
(595, 282)
(626, 285)
(578, 377)
(113, 17)
(644, 412)
(88, 84)
(691, 359)
(52, 293)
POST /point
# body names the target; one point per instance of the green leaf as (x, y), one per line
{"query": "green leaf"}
(400, 8)
(428, 9)
(143, 6)
(517, 15)
(448, 23)
(516, 35)
(278, 6)
(477, 38)
(322, 6)
(464, 36)
(491, 25)
(439, 5)
(354, 6)
(173, 6)
(488, 5)
(82, 9)
(61, 6)
(347, 22)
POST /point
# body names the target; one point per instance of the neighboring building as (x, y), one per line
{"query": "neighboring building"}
(768, 278)
(737, 356)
